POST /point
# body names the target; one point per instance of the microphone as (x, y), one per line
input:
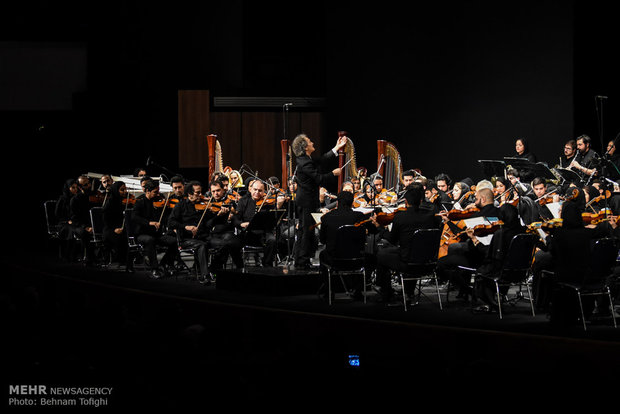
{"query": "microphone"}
(601, 97)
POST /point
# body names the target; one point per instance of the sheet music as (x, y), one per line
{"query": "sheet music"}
(317, 217)
(554, 208)
(476, 221)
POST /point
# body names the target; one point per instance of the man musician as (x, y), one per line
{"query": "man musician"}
(585, 160)
(247, 208)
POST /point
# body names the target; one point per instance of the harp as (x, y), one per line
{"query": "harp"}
(215, 155)
(287, 162)
(346, 159)
(389, 165)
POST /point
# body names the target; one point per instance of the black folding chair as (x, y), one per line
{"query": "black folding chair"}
(348, 258)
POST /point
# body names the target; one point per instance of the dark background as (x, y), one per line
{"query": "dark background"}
(93, 87)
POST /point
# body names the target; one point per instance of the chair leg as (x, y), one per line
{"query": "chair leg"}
(499, 300)
(402, 287)
(364, 283)
(329, 286)
(529, 293)
(437, 288)
(583, 318)
(611, 307)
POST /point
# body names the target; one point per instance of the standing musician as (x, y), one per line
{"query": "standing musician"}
(79, 217)
(396, 254)
(585, 159)
(309, 179)
(247, 207)
(187, 224)
(62, 212)
(221, 231)
(149, 230)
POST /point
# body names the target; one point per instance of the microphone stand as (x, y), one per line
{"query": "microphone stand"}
(292, 222)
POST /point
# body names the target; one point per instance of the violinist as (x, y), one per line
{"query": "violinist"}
(188, 225)
(465, 253)
(114, 235)
(146, 219)
(178, 189)
(342, 215)
(493, 256)
(62, 212)
(79, 218)
(309, 179)
(395, 254)
(443, 182)
(222, 235)
(246, 210)
(521, 188)
(542, 196)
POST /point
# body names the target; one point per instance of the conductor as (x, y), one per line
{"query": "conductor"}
(309, 179)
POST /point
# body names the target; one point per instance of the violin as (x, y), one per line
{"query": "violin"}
(455, 214)
(129, 200)
(482, 230)
(382, 217)
(595, 218)
(164, 203)
(97, 198)
(596, 199)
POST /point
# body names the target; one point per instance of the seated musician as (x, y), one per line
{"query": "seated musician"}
(494, 256)
(514, 177)
(188, 225)
(567, 255)
(465, 253)
(113, 234)
(178, 189)
(584, 162)
(443, 182)
(247, 207)
(221, 231)
(394, 256)
(342, 215)
(383, 196)
(62, 212)
(149, 230)
(543, 195)
(570, 151)
(79, 218)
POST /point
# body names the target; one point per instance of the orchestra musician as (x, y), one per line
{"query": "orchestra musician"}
(443, 182)
(522, 150)
(113, 232)
(585, 158)
(187, 224)
(494, 256)
(570, 151)
(342, 215)
(465, 253)
(309, 179)
(247, 208)
(149, 230)
(79, 218)
(62, 212)
(394, 255)
(221, 230)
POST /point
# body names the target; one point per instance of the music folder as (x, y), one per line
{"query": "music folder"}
(492, 168)
(263, 221)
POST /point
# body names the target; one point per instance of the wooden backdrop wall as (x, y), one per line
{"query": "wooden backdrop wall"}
(250, 137)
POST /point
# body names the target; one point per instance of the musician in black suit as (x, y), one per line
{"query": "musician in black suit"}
(395, 255)
(148, 229)
(309, 179)
(585, 160)
(342, 215)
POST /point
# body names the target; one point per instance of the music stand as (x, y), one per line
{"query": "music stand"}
(568, 176)
(492, 168)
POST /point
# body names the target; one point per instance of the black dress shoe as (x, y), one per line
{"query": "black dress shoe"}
(156, 274)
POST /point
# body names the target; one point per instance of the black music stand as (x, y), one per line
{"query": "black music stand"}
(492, 168)
(539, 170)
(568, 176)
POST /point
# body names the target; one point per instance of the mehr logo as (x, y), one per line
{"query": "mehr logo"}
(27, 390)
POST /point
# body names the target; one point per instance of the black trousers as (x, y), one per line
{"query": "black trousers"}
(306, 239)
(265, 239)
(150, 244)
(388, 260)
(226, 244)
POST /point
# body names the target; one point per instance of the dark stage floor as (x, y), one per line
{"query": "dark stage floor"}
(263, 327)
